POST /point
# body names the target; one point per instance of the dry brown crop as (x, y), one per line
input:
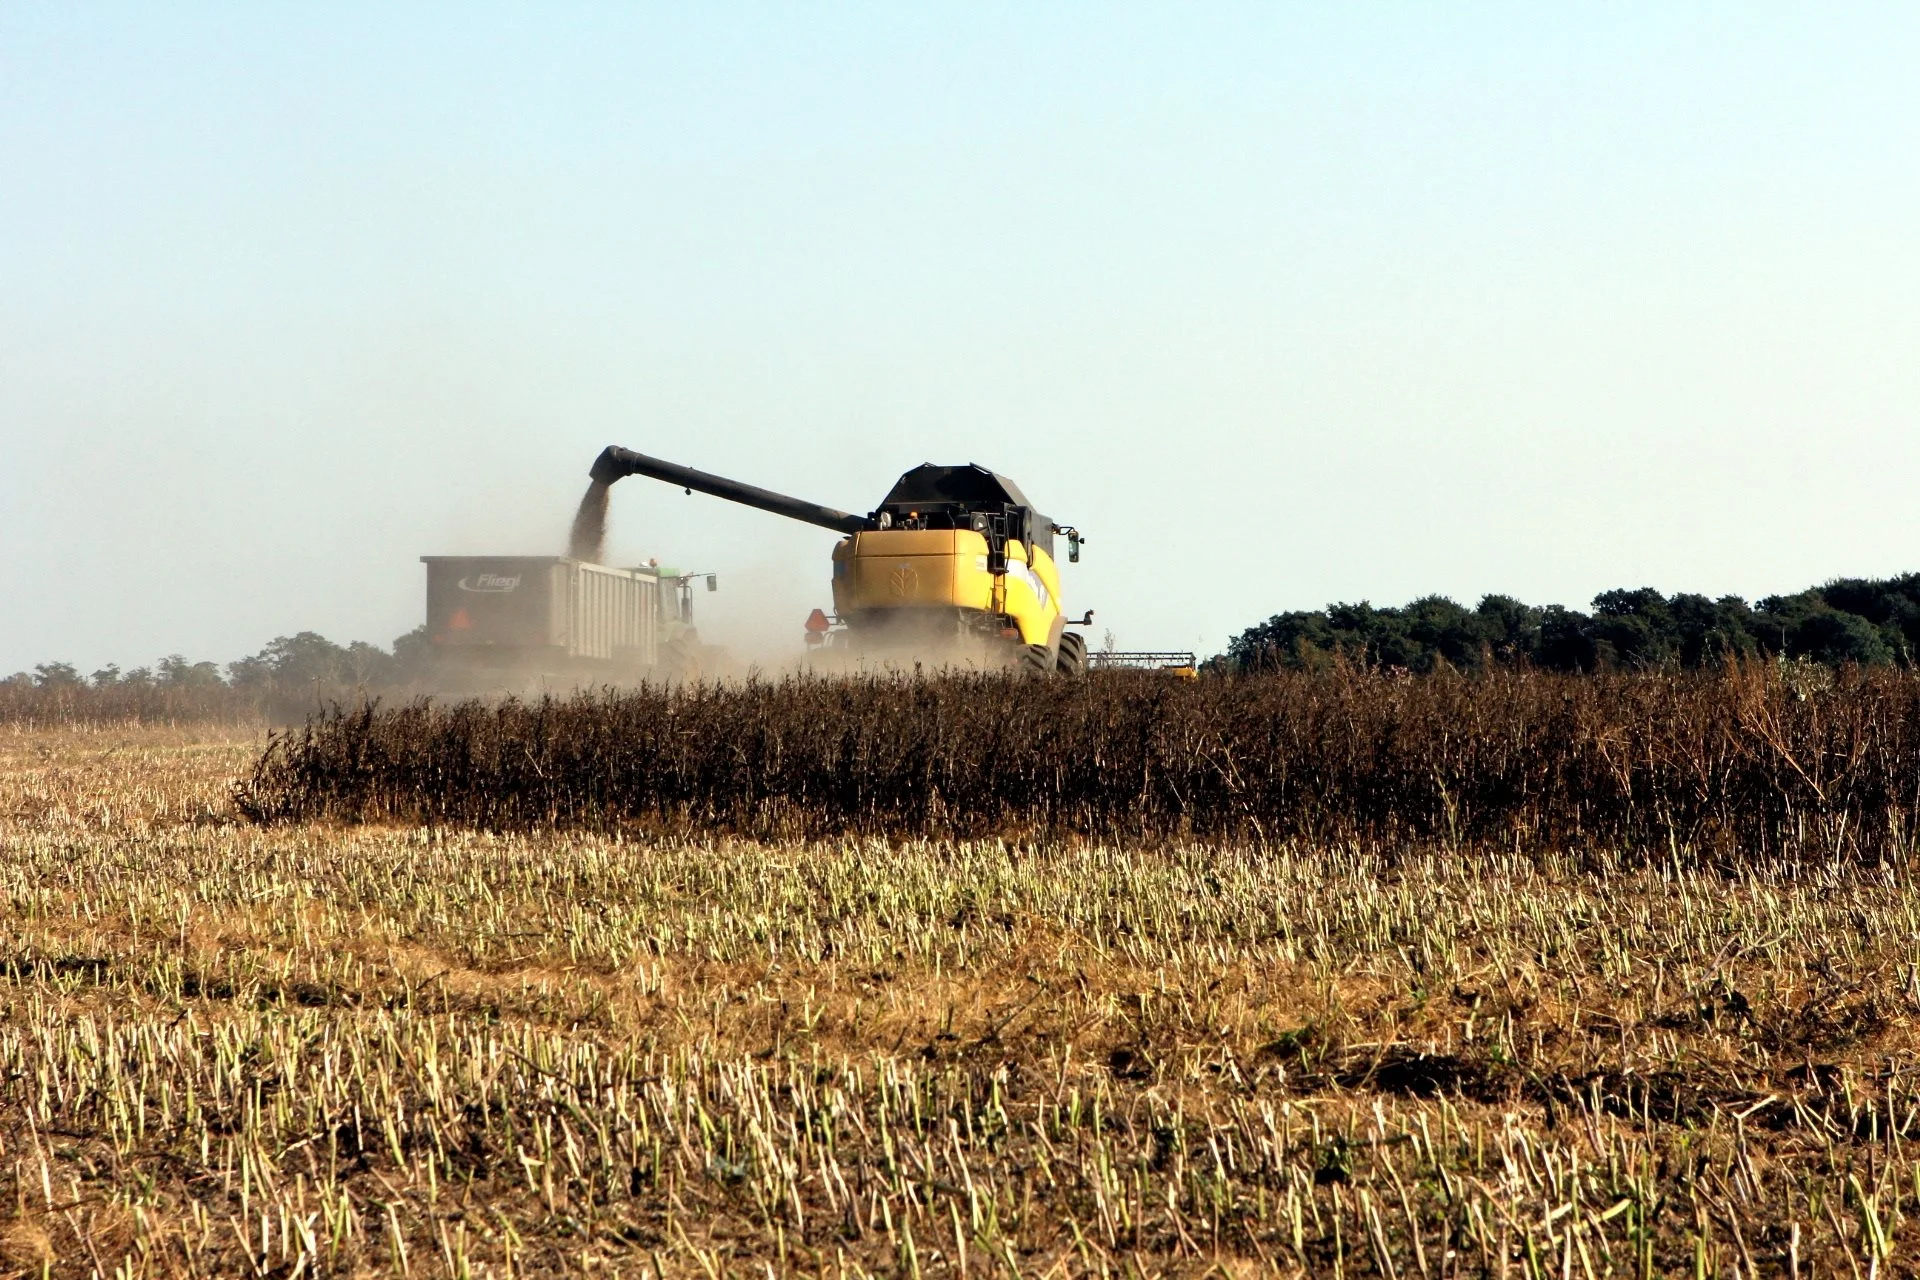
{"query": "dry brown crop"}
(1750, 762)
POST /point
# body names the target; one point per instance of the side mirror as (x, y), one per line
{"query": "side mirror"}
(1073, 546)
(713, 582)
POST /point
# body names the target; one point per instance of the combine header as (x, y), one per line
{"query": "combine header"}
(1173, 662)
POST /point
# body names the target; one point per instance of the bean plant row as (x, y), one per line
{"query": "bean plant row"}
(1755, 761)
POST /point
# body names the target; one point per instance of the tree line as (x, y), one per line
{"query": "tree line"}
(301, 661)
(1871, 622)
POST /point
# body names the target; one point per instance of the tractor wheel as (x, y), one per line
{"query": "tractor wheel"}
(1072, 661)
(1036, 660)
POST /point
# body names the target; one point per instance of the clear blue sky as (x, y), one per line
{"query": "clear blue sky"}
(1282, 304)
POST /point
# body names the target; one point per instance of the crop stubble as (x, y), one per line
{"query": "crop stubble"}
(387, 1048)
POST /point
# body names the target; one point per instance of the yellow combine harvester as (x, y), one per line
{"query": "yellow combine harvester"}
(954, 562)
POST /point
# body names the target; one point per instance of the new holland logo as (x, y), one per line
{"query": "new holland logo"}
(904, 582)
(489, 582)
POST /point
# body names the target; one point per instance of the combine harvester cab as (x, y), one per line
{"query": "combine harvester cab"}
(957, 552)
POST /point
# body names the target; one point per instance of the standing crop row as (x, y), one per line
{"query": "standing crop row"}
(1749, 761)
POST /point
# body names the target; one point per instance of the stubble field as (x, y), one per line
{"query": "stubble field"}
(323, 1049)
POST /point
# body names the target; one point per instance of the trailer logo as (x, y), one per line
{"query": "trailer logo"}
(489, 582)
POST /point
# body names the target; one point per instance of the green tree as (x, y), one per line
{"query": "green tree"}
(1633, 629)
(1441, 629)
(177, 673)
(1709, 632)
(57, 675)
(413, 655)
(1565, 642)
(1835, 638)
(1892, 606)
(1286, 640)
(305, 658)
(1511, 629)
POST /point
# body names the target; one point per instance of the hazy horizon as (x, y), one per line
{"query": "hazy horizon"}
(1280, 306)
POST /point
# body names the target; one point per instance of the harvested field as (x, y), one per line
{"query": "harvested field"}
(307, 1048)
(1755, 762)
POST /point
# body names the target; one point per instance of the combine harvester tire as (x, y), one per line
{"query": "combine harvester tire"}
(1072, 661)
